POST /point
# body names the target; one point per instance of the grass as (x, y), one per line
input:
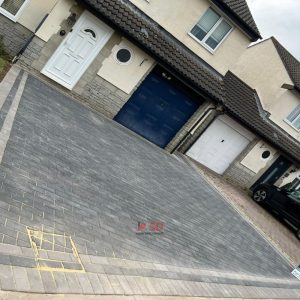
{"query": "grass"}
(3, 64)
(4, 60)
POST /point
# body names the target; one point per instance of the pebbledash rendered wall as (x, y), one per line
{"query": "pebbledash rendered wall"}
(15, 36)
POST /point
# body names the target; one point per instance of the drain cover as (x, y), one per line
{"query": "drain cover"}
(54, 252)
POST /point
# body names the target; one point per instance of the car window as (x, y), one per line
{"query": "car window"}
(296, 196)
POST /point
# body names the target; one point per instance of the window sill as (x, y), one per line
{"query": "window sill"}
(291, 125)
(8, 15)
(211, 51)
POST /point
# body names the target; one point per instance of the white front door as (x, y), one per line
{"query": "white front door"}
(220, 144)
(78, 50)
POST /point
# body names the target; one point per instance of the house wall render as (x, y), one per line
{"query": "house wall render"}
(167, 14)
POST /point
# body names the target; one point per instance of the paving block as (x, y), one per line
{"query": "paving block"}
(96, 284)
(84, 282)
(108, 289)
(73, 283)
(48, 281)
(61, 283)
(7, 280)
(35, 281)
(21, 279)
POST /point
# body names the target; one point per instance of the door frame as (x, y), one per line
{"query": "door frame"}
(99, 45)
(269, 171)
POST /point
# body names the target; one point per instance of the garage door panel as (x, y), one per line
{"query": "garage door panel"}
(218, 146)
(157, 110)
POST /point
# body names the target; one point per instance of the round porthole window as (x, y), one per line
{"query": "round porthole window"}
(123, 56)
(266, 154)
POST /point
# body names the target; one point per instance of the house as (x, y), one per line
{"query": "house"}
(159, 68)
(116, 58)
(275, 74)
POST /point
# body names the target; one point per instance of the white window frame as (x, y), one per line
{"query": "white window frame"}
(202, 43)
(291, 123)
(9, 15)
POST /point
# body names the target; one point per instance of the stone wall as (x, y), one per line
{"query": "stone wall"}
(15, 36)
(91, 90)
(239, 175)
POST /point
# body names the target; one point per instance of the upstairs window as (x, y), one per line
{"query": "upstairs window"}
(12, 8)
(294, 118)
(211, 29)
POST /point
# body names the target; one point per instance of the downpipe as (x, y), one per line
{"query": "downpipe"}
(219, 109)
(17, 57)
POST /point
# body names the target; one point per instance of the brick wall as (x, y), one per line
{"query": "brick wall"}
(14, 35)
(239, 175)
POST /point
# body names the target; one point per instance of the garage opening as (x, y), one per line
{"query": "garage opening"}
(159, 107)
(220, 144)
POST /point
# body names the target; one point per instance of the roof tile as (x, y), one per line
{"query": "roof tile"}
(162, 44)
(250, 112)
(241, 9)
(291, 64)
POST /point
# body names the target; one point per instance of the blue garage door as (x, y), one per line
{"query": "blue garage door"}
(158, 109)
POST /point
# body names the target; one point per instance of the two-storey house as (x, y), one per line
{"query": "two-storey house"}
(159, 68)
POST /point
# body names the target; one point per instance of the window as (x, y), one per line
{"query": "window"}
(211, 29)
(266, 154)
(294, 118)
(123, 56)
(12, 8)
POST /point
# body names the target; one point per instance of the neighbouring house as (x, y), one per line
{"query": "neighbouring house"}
(275, 74)
(160, 68)
(116, 57)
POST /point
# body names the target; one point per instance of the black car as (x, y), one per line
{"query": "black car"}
(285, 201)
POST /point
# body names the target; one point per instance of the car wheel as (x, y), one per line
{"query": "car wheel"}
(298, 234)
(261, 195)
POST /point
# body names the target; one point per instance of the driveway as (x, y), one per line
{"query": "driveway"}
(69, 171)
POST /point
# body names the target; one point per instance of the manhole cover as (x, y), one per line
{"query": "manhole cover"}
(54, 252)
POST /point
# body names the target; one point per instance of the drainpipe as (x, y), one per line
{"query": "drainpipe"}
(16, 58)
(219, 109)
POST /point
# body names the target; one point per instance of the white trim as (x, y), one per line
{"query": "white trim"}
(269, 157)
(207, 36)
(95, 52)
(9, 15)
(130, 59)
(291, 124)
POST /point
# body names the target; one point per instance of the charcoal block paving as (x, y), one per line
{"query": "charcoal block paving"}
(74, 172)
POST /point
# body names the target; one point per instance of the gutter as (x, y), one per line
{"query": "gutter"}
(219, 109)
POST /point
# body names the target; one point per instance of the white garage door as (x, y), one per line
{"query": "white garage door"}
(220, 144)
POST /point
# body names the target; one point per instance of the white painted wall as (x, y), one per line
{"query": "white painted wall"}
(34, 12)
(261, 68)
(179, 16)
(59, 13)
(126, 76)
(254, 161)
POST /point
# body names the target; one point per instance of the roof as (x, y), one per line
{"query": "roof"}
(291, 64)
(240, 10)
(250, 112)
(170, 52)
(161, 44)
